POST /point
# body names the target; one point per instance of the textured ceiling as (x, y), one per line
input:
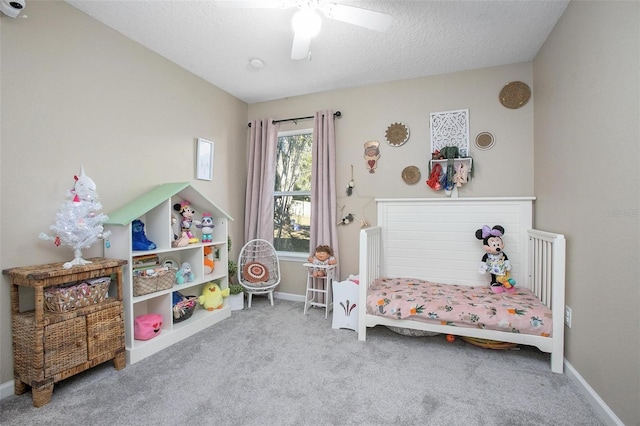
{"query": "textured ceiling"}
(425, 38)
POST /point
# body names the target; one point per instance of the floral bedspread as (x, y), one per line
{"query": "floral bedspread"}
(458, 305)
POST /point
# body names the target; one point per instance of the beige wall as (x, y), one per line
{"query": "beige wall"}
(587, 148)
(505, 170)
(76, 92)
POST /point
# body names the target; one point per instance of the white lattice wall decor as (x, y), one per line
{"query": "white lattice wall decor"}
(450, 128)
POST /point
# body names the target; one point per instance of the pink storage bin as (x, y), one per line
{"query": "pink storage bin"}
(147, 326)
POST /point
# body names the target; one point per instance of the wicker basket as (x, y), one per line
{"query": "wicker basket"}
(184, 309)
(161, 281)
(79, 295)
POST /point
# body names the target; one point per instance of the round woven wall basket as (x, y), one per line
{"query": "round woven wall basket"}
(485, 141)
(515, 95)
(411, 175)
(397, 134)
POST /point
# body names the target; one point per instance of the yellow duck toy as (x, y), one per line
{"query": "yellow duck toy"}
(211, 297)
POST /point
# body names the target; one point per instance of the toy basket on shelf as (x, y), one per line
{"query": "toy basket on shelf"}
(145, 284)
(184, 309)
(69, 297)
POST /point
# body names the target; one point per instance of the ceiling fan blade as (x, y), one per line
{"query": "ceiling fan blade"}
(366, 18)
(300, 48)
(255, 4)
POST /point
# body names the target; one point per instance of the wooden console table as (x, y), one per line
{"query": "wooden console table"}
(52, 346)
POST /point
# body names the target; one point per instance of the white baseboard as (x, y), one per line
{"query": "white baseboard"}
(605, 413)
(289, 296)
(6, 389)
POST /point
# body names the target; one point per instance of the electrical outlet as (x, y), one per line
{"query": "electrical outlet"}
(567, 316)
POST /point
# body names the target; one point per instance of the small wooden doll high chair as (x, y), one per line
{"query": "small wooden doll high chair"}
(319, 287)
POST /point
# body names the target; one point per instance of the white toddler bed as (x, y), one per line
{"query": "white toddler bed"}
(434, 240)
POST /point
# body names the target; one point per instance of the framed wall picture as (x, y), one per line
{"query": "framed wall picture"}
(204, 159)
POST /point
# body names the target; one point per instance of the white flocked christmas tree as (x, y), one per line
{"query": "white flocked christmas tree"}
(79, 220)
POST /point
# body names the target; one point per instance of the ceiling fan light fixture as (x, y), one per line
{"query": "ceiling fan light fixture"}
(306, 23)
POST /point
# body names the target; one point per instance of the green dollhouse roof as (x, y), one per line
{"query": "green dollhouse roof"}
(142, 204)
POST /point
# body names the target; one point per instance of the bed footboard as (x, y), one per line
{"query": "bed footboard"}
(546, 272)
(369, 270)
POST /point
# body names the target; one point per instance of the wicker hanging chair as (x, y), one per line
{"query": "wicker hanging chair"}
(258, 269)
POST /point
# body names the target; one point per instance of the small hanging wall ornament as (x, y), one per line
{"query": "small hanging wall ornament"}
(347, 219)
(372, 155)
(351, 185)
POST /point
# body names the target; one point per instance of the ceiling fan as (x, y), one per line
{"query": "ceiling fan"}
(306, 22)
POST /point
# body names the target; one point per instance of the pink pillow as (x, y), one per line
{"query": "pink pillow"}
(147, 326)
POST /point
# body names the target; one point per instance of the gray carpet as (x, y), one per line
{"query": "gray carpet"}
(274, 366)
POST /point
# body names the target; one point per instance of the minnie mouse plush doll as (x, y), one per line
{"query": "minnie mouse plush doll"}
(495, 259)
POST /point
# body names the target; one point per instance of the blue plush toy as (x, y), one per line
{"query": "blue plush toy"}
(184, 274)
(139, 239)
(177, 297)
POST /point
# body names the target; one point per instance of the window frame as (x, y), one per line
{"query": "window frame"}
(293, 255)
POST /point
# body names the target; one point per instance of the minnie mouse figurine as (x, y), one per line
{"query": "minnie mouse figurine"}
(495, 259)
(187, 212)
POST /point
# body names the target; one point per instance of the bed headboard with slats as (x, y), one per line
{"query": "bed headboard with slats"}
(434, 238)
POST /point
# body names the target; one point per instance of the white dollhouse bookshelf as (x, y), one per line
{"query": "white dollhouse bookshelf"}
(155, 210)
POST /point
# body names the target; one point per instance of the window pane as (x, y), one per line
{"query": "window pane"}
(292, 217)
(292, 201)
(293, 163)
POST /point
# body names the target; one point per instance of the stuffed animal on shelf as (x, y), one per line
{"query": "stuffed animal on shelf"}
(138, 237)
(187, 212)
(209, 264)
(182, 240)
(323, 255)
(495, 260)
(461, 176)
(206, 226)
(212, 297)
(184, 274)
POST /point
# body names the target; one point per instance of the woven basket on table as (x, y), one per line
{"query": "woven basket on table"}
(184, 309)
(68, 298)
(161, 281)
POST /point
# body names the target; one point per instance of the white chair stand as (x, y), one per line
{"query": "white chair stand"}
(345, 300)
(316, 291)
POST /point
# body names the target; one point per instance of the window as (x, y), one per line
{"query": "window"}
(292, 192)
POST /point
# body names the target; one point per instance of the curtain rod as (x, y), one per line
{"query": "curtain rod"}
(335, 114)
